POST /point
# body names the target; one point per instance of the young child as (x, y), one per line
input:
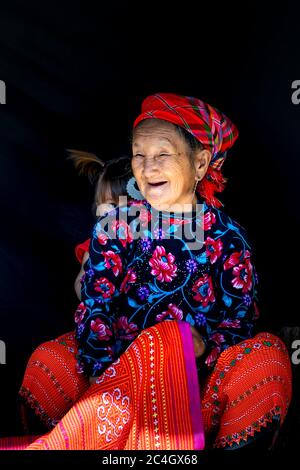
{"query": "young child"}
(51, 383)
(110, 185)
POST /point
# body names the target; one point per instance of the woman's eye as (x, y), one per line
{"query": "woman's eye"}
(138, 155)
(164, 155)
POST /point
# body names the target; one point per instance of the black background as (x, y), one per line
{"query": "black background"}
(75, 74)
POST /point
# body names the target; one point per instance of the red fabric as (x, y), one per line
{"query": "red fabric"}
(248, 388)
(206, 123)
(148, 399)
(51, 383)
(81, 249)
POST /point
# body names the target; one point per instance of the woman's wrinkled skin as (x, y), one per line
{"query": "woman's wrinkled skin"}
(160, 154)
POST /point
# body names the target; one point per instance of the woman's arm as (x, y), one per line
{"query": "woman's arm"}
(77, 283)
(232, 318)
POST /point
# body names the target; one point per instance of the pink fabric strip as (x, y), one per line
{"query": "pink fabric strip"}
(193, 385)
(16, 443)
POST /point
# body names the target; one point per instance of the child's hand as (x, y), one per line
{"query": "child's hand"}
(199, 345)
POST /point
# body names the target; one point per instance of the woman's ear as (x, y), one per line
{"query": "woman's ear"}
(202, 161)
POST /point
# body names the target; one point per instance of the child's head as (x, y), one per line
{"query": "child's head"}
(110, 177)
(112, 183)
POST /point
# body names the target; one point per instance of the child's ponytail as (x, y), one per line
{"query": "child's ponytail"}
(86, 163)
(108, 177)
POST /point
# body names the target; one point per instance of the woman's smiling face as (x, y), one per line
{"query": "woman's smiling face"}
(162, 166)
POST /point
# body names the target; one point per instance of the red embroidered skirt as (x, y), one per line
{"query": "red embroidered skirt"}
(249, 387)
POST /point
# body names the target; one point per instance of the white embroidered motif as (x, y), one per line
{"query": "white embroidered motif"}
(114, 414)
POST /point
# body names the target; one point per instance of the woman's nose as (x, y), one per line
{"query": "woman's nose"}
(150, 165)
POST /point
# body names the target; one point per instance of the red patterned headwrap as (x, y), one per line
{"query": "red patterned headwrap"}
(207, 124)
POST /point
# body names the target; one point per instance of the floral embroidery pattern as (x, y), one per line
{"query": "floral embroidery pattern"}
(125, 330)
(102, 238)
(135, 283)
(204, 290)
(130, 278)
(173, 312)
(105, 287)
(113, 261)
(163, 265)
(213, 249)
(79, 313)
(100, 329)
(123, 232)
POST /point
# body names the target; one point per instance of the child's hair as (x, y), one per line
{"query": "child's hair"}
(109, 177)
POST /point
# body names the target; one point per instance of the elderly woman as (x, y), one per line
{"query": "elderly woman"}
(170, 294)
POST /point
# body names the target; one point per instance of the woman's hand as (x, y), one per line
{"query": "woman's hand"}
(199, 345)
(92, 380)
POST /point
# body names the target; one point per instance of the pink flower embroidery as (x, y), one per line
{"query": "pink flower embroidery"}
(144, 217)
(213, 356)
(173, 312)
(130, 278)
(80, 312)
(100, 329)
(125, 330)
(113, 261)
(230, 324)
(243, 276)
(102, 238)
(209, 220)
(104, 286)
(213, 249)
(163, 265)
(235, 258)
(218, 338)
(204, 289)
(122, 231)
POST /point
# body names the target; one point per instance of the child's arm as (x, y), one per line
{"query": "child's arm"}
(77, 284)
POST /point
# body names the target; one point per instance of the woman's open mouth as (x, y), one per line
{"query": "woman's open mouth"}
(157, 189)
(158, 184)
